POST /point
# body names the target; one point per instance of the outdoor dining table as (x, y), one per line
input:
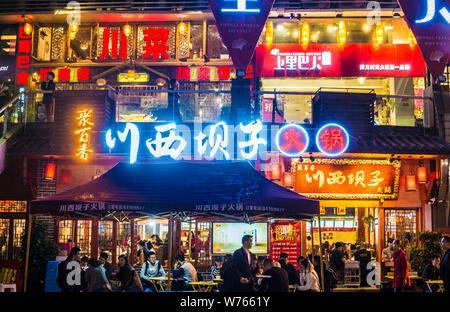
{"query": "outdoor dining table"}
(159, 281)
(203, 286)
(440, 283)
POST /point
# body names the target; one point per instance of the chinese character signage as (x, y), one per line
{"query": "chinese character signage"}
(23, 56)
(292, 140)
(347, 179)
(332, 140)
(209, 73)
(331, 60)
(240, 23)
(285, 237)
(429, 21)
(85, 124)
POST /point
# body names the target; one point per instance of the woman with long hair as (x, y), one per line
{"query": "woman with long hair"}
(128, 277)
(309, 279)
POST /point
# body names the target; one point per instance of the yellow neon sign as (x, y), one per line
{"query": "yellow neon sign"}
(85, 126)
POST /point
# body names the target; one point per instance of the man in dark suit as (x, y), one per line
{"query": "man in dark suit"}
(242, 259)
(289, 268)
(278, 280)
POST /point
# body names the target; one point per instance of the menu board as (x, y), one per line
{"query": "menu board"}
(285, 237)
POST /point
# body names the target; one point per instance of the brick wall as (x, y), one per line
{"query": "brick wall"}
(45, 188)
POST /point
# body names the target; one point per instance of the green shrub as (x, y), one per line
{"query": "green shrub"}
(429, 246)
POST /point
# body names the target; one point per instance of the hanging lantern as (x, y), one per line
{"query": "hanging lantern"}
(305, 34)
(378, 36)
(412, 40)
(276, 172)
(287, 179)
(27, 28)
(342, 33)
(269, 32)
(411, 183)
(126, 30)
(72, 35)
(50, 171)
(422, 175)
(181, 27)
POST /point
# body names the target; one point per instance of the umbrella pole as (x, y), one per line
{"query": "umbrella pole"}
(311, 231)
(321, 258)
(169, 252)
(27, 257)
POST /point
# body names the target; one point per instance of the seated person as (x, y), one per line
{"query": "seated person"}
(431, 272)
(290, 269)
(308, 277)
(151, 268)
(215, 269)
(278, 281)
(184, 272)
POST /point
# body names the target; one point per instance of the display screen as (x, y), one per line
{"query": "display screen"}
(227, 237)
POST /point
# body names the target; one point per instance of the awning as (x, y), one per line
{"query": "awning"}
(185, 188)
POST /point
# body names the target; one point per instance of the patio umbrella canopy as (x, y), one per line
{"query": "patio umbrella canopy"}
(225, 189)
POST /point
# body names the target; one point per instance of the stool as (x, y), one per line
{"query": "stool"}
(12, 287)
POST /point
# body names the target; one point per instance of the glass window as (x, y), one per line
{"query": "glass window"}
(4, 238)
(348, 223)
(124, 238)
(329, 223)
(84, 236)
(80, 46)
(105, 229)
(339, 223)
(216, 49)
(19, 228)
(400, 224)
(196, 40)
(13, 206)
(65, 228)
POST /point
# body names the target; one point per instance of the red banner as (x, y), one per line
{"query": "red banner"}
(331, 60)
(429, 21)
(285, 237)
(240, 23)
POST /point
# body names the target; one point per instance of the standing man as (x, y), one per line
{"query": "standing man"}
(337, 260)
(363, 256)
(242, 260)
(401, 276)
(444, 267)
(48, 85)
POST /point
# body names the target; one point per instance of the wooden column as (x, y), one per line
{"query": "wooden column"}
(133, 233)
(94, 238)
(114, 242)
(381, 234)
(361, 228)
(303, 238)
(75, 232)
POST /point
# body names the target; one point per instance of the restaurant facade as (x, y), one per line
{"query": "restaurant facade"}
(377, 170)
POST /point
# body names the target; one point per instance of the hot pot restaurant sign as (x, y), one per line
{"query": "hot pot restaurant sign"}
(331, 60)
(429, 20)
(240, 23)
(347, 178)
(285, 237)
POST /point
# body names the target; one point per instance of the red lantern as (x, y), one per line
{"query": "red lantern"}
(50, 171)
(276, 172)
(411, 183)
(422, 175)
(287, 179)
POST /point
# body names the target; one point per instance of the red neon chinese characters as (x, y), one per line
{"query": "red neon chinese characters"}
(203, 73)
(83, 74)
(184, 73)
(156, 43)
(23, 55)
(332, 138)
(24, 46)
(291, 136)
(114, 44)
(22, 78)
(224, 72)
(64, 74)
(43, 73)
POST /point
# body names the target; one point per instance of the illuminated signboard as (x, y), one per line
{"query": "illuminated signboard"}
(285, 237)
(292, 140)
(332, 140)
(431, 12)
(85, 127)
(217, 141)
(347, 179)
(23, 56)
(332, 60)
(209, 73)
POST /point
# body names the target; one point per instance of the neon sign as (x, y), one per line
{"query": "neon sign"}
(241, 7)
(431, 12)
(332, 140)
(85, 124)
(222, 141)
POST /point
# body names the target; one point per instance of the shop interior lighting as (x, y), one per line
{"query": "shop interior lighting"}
(342, 33)
(269, 32)
(305, 33)
(126, 30)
